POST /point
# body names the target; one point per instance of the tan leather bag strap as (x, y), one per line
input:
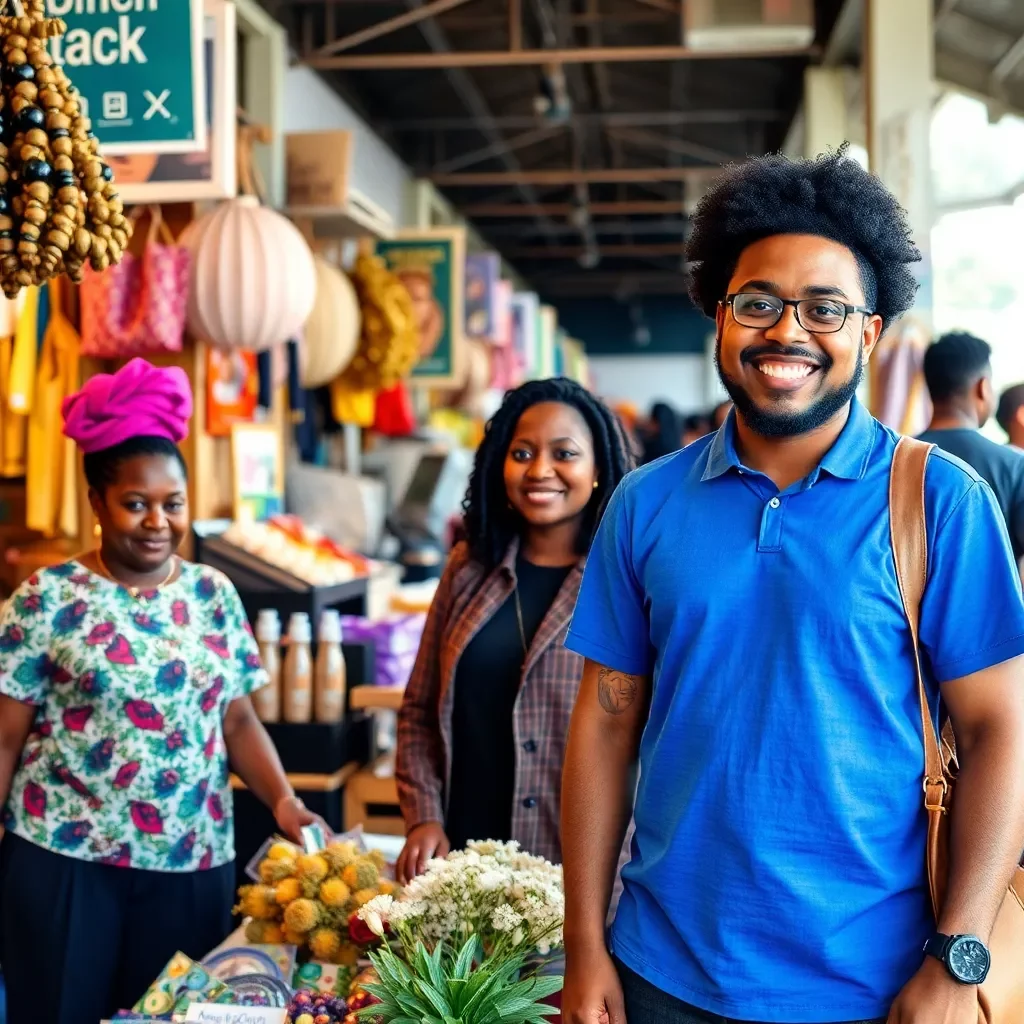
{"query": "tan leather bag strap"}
(910, 553)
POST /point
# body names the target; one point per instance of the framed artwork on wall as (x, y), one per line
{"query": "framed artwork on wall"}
(211, 173)
(257, 470)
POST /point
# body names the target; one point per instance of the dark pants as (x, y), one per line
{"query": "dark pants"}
(79, 941)
(646, 1004)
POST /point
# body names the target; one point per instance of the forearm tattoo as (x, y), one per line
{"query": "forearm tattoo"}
(616, 690)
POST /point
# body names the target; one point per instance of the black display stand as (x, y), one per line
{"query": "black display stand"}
(261, 585)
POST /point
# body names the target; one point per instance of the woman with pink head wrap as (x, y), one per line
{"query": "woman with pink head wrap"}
(125, 677)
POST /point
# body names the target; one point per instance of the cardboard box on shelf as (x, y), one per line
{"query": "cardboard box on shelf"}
(319, 169)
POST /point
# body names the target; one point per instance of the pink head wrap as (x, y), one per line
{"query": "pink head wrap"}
(139, 400)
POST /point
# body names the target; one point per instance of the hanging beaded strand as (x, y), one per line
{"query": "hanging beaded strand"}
(58, 204)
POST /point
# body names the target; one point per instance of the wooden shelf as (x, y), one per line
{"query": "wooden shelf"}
(309, 783)
(358, 218)
(376, 698)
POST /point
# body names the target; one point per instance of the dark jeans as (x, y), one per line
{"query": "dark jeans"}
(79, 941)
(646, 1004)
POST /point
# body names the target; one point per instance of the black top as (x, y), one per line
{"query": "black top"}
(1000, 465)
(486, 686)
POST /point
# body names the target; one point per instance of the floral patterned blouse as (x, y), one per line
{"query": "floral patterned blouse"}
(126, 762)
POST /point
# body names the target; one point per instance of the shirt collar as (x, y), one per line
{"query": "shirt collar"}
(847, 459)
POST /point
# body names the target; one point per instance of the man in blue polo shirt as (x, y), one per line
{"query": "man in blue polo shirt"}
(747, 650)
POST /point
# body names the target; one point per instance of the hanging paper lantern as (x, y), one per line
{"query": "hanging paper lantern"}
(332, 330)
(253, 283)
(58, 204)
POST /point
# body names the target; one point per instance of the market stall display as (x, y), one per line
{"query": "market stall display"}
(285, 542)
(311, 900)
(59, 208)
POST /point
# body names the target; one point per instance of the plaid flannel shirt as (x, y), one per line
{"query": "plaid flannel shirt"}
(466, 599)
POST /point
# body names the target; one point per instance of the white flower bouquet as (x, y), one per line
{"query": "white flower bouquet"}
(462, 934)
(509, 899)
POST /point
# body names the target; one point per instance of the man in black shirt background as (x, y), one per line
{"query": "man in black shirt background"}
(1010, 414)
(958, 371)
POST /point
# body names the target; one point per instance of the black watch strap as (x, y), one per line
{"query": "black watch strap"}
(938, 945)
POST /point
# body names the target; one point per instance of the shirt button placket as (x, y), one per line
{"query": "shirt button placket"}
(770, 536)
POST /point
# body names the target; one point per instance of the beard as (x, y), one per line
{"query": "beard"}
(781, 422)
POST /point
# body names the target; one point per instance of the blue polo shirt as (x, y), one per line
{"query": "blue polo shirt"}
(778, 864)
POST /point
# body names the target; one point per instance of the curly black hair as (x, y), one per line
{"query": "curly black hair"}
(831, 196)
(101, 467)
(490, 523)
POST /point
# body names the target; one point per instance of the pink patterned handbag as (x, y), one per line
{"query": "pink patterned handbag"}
(138, 307)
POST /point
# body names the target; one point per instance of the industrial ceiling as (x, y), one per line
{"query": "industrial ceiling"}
(573, 132)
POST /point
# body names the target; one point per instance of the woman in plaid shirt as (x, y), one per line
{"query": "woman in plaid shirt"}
(482, 730)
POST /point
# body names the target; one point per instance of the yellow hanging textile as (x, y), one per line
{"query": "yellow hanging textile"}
(351, 404)
(51, 492)
(17, 379)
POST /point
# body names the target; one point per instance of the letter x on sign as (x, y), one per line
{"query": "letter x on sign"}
(156, 104)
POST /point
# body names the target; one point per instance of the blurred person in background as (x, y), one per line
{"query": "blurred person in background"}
(1010, 415)
(482, 728)
(721, 414)
(958, 372)
(662, 434)
(695, 427)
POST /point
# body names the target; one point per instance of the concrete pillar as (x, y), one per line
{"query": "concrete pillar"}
(899, 67)
(899, 57)
(825, 119)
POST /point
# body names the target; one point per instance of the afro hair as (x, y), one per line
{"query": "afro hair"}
(831, 196)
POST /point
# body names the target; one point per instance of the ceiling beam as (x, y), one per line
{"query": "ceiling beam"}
(514, 144)
(1008, 63)
(478, 108)
(384, 28)
(572, 252)
(569, 176)
(680, 147)
(485, 22)
(537, 58)
(611, 119)
(621, 208)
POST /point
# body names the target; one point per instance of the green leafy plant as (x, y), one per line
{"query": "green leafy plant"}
(442, 988)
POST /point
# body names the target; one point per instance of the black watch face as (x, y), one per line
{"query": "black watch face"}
(968, 960)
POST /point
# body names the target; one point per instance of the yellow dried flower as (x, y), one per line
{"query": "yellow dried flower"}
(347, 956)
(301, 916)
(281, 851)
(324, 944)
(273, 933)
(257, 901)
(275, 870)
(386, 887)
(378, 859)
(340, 855)
(287, 890)
(312, 866)
(255, 932)
(363, 896)
(294, 938)
(335, 893)
(361, 874)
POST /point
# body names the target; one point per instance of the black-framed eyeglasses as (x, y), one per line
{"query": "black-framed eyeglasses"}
(819, 316)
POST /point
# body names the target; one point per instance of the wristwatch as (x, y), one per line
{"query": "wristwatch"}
(966, 957)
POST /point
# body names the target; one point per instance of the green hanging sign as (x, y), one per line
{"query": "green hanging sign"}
(138, 65)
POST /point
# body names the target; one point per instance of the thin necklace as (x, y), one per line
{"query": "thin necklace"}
(136, 591)
(519, 620)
